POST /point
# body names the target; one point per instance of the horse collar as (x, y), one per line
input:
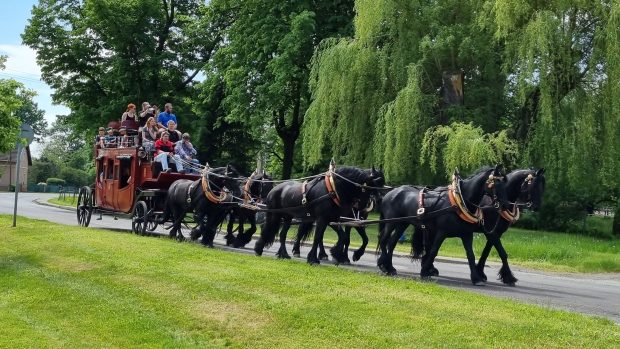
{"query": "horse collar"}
(511, 216)
(456, 200)
(246, 192)
(209, 193)
(331, 188)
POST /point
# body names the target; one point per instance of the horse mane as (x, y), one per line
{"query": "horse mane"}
(353, 174)
(479, 171)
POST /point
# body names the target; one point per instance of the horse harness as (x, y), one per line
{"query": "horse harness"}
(329, 184)
(514, 215)
(209, 194)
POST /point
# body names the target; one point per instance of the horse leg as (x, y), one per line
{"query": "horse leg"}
(337, 250)
(244, 237)
(427, 263)
(230, 228)
(322, 254)
(382, 261)
(268, 233)
(321, 225)
(360, 251)
(468, 240)
(398, 232)
(427, 242)
(282, 254)
(505, 274)
(302, 232)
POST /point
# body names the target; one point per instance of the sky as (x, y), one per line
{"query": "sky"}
(21, 64)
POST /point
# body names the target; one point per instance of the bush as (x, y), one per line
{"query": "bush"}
(74, 177)
(55, 181)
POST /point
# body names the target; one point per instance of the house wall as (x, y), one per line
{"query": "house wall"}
(9, 172)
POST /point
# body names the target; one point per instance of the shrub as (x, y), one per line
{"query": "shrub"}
(55, 181)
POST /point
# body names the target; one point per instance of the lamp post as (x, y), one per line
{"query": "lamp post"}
(26, 133)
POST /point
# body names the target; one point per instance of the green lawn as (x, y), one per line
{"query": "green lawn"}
(68, 200)
(65, 286)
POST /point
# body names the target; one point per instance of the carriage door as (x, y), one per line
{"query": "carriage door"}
(108, 186)
(124, 195)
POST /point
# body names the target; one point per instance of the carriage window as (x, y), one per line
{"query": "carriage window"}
(125, 172)
(100, 170)
(110, 169)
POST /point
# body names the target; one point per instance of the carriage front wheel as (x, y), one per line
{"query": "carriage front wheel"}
(84, 207)
(139, 218)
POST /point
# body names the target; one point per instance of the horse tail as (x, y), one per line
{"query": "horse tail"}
(270, 229)
(381, 232)
(303, 233)
(417, 243)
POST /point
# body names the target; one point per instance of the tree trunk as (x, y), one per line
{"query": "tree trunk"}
(616, 225)
(289, 152)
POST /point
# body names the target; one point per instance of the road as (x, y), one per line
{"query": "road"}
(593, 294)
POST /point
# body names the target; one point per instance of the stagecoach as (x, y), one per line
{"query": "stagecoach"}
(128, 182)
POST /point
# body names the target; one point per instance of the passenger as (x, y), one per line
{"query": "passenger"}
(165, 116)
(164, 149)
(149, 135)
(145, 114)
(130, 114)
(100, 137)
(175, 135)
(186, 151)
(109, 140)
(125, 140)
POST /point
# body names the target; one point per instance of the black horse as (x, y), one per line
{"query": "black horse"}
(254, 190)
(523, 187)
(321, 200)
(441, 212)
(207, 197)
(340, 251)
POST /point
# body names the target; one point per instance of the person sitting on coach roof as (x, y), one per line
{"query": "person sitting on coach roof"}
(109, 141)
(164, 149)
(100, 137)
(175, 135)
(165, 116)
(149, 134)
(186, 151)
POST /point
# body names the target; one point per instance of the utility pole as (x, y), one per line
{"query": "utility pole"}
(26, 133)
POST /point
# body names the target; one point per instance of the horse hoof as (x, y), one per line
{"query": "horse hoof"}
(324, 257)
(314, 261)
(478, 283)
(283, 256)
(297, 254)
(356, 256)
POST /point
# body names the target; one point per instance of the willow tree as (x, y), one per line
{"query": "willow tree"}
(563, 57)
(374, 95)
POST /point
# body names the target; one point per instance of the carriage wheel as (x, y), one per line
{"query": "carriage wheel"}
(139, 218)
(84, 207)
(151, 225)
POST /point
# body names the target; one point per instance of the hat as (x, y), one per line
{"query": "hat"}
(111, 129)
(101, 128)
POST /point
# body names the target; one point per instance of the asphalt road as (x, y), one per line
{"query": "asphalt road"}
(593, 294)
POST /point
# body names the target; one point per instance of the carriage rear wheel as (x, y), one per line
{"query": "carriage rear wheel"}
(84, 208)
(140, 218)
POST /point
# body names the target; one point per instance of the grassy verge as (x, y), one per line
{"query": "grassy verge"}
(67, 286)
(68, 200)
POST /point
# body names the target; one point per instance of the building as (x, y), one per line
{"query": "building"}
(8, 170)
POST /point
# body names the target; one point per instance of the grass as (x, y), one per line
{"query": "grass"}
(65, 286)
(528, 248)
(68, 200)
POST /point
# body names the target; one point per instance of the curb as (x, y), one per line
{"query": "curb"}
(45, 203)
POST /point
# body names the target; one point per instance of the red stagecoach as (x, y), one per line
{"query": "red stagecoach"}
(128, 182)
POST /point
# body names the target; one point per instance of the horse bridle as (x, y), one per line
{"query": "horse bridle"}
(247, 189)
(526, 188)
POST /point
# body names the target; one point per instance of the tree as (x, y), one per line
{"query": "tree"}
(264, 62)
(375, 95)
(9, 104)
(30, 114)
(99, 55)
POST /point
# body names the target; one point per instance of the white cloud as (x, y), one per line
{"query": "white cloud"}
(22, 61)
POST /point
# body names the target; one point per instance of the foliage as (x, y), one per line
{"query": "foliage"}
(136, 291)
(264, 63)
(100, 55)
(30, 114)
(375, 95)
(466, 147)
(56, 181)
(9, 103)
(41, 170)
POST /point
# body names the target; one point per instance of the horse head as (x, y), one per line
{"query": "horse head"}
(351, 185)
(532, 189)
(259, 186)
(490, 181)
(231, 179)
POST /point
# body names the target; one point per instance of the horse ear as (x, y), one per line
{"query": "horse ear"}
(373, 168)
(540, 171)
(498, 170)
